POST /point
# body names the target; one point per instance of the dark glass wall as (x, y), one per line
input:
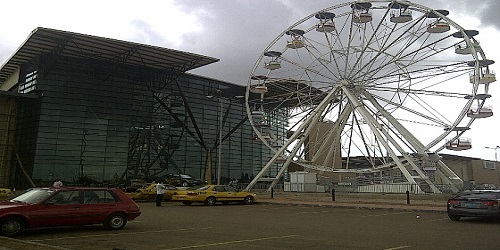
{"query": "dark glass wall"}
(104, 122)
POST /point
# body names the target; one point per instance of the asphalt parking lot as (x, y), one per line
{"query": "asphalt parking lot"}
(271, 226)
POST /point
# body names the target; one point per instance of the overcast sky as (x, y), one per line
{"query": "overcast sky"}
(235, 31)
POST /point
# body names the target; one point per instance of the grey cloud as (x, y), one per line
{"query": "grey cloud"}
(146, 34)
(238, 31)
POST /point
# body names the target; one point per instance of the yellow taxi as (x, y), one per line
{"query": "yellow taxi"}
(4, 192)
(148, 192)
(210, 194)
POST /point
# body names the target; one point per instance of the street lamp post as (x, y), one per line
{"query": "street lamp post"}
(221, 99)
(494, 148)
(496, 160)
(220, 141)
(220, 106)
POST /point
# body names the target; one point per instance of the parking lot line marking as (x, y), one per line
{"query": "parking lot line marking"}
(232, 242)
(437, 219)
(377, 215)
(395, 248)
(29, 242)
(112, 234)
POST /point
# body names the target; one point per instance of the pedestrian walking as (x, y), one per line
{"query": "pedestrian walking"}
(160, 190)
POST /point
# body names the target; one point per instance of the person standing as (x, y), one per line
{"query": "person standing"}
(160, 190)
(57, 184)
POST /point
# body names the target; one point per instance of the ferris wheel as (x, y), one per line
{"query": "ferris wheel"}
(369, 87)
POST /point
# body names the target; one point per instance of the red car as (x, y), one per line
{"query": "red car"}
(47, 207)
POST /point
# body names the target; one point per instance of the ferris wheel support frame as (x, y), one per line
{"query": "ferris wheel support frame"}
(308, 124)
(376, 130)
(416, 144)
(334, 136)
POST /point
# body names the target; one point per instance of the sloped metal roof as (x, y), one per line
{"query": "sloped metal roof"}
(49, 41)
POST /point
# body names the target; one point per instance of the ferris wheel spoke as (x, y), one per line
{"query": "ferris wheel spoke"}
(399, 44)
(412, 58)
(308, 69)
(404, 37)
(372, 39)
(393, 123)
(433, 116)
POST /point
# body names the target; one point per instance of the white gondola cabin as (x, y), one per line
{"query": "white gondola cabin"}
(401, 17)
(400, 13)
(260, 86)
(325, 27)
(437, 25)
(464, 49)
(325, 23)
(485, 76)
(484, 112)
(459, 144)
(274, 63)
(295, 44)
(297, 41)
(364, 17)
(361, 12)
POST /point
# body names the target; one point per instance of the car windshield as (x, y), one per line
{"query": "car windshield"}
(183, 176)
(34, 196)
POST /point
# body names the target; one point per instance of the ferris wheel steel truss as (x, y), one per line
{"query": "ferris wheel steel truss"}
(369, 79)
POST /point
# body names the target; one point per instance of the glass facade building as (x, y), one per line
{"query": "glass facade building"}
(96, 121)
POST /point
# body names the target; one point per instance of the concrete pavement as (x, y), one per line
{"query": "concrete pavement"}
(422, 202)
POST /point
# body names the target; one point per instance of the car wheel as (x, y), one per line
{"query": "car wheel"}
(187, 203)
(151, 198)
(210, 201)
(11, 227)
(454, 217)
(115, 221)
(185, 184)
(248, 200)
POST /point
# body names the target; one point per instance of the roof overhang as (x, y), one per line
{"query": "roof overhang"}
(68, 44)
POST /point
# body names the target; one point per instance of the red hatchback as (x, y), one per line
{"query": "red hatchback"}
(47, 207)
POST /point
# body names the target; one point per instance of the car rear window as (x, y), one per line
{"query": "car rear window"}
(479, 195)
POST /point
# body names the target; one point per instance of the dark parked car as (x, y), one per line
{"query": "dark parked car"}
(474, 203)
(183, 180)
(47, 207)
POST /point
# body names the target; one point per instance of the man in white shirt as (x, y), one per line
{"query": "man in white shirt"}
(160, 190)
